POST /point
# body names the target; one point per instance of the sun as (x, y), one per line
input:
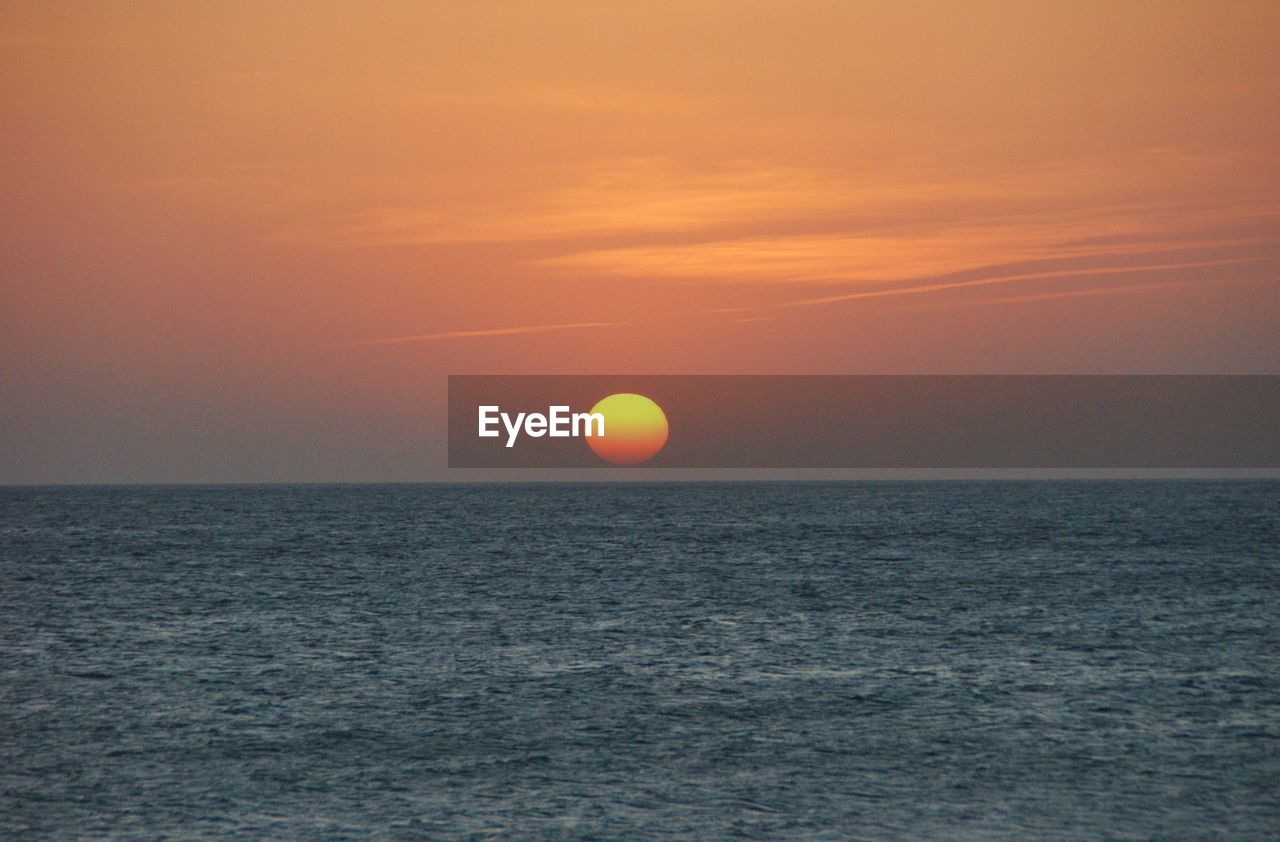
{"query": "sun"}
(635, 429)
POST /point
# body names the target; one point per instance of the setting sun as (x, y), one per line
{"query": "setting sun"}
(635, 429)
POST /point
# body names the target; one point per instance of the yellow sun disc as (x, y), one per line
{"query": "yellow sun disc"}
(635, 428)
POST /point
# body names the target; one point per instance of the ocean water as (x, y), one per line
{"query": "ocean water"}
(1005, 660)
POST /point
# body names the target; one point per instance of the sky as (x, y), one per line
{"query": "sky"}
(248, 241)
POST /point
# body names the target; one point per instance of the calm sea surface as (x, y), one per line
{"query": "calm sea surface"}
(809, 661)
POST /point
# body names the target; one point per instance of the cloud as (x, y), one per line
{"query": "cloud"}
(1110, 290)
(710, 209)
(633, 196)
(944, 286)
(932, 244)
(570, 98)
(495, 331)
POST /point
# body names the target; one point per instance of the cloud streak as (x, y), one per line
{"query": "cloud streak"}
(1091, 292)
(944, 286)
(495, 331)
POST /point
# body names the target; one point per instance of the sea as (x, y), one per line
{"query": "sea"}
(860, 660)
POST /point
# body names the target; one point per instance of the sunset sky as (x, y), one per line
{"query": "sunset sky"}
(248, 241)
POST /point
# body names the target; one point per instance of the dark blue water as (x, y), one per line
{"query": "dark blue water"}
(813, 661)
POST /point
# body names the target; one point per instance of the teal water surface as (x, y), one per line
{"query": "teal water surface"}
(767, 661)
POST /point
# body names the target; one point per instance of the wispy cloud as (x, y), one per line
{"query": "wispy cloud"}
(575, 98)
(884, 208)
(644, 196)
(1025, 277)
(888, 253)
(1121, 289)
(494, 331)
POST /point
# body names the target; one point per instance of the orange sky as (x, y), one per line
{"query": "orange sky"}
(249, 243)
